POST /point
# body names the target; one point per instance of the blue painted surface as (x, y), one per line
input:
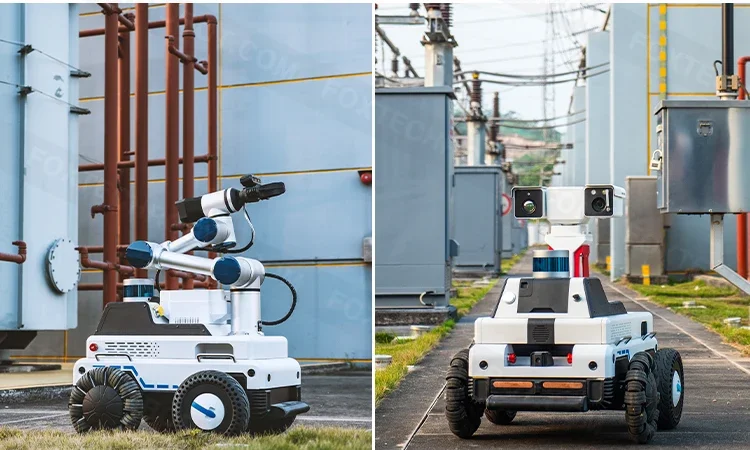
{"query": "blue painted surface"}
(319, 126)
(320, 217)
(270, 42)
(10, 115)
(333, 318)
(314, 125)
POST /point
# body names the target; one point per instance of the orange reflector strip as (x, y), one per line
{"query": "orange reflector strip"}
(513, 384)
(562, 385)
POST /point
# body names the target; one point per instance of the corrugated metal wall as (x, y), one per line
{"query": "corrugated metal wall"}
(294, 106)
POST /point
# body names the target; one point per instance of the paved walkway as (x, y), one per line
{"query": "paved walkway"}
(717, 402)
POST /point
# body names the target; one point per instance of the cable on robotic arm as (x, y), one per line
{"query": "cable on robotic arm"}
(291, 308)
(211, 248)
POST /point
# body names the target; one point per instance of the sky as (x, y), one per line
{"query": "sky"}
(505, 37)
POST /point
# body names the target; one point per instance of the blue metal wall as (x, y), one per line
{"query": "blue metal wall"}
(295, 106)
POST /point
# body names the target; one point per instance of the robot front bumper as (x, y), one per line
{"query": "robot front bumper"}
(560, 395)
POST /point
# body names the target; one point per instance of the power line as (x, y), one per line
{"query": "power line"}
(539, 120)
(541, 82)
(510, 75)
(514, 44)
(544, 127)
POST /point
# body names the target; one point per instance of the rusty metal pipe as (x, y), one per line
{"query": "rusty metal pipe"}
(17, 258)
(206, 18)
(130, 164)
(188, 113)
(110, 152)
(106, 266)
(172, 132)
(98, 286)
(187, 59)
(125, 20)
(124, 139)
(141, 126)
(213, 124)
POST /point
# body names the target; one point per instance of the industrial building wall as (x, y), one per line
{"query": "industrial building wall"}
(294, 106)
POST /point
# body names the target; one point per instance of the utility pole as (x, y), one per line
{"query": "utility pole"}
(496, 156)
(548, 91)
(475, 125)
(438, 45)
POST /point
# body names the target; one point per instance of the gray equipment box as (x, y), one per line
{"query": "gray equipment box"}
(478, 211)
(414, 196)
(702, 156)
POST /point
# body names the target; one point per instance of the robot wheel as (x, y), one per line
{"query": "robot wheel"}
(211, 401)
(105, 398)
(670, 379)
(463, 414)
(641, 398)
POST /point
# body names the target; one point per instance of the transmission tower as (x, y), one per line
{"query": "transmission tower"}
(548, 91)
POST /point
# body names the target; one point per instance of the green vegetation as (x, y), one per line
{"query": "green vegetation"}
(408, 352)
(405, 353)
(508, 264)
(298, 437)
(714, 305)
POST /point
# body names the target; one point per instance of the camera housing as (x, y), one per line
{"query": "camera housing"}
(568, 205)
(529, 202)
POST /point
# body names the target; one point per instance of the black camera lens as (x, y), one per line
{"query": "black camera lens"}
(598, 204)
(529, 206)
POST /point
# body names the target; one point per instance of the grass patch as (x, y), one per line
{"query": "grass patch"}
(508, 263)
(299, 437)
(405, 353)
(719, 303)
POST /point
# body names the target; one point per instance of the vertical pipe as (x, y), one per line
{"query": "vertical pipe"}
(141, 126)
(172, 131)
(212, 106)
(742, 219)
(123, 209)
(188, 115)
(727, 39)
(110, 152)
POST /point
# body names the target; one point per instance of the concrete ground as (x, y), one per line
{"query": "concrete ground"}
(343, 399)
(716, 411)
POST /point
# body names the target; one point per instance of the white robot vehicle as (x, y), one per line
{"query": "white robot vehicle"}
(555, 343)
(191, 358)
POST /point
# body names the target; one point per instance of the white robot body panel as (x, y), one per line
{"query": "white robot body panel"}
(494, 359)
(157, 374)
(196, 306)
(172, 347)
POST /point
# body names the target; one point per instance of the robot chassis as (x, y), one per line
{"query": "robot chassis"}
(555, 343)
(184, 359)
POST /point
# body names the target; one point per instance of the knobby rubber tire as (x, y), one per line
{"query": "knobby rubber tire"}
(667, 362)
(238, 405)
(463, 414)
(641, 398)
(128, 394)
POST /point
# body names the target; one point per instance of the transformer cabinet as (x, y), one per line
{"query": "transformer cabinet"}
(39, 174)
(414, 191)
(478, 218)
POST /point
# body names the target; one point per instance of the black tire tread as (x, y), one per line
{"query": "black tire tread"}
(669, 415)
(500, 417)
(641, 398)
(240, 405)
(464, 416)
(120, 381)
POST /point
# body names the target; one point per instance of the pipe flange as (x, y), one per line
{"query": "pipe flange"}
(63, 265)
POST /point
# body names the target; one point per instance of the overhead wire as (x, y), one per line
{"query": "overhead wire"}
(521, 16)
(534, 76)
(534, 83)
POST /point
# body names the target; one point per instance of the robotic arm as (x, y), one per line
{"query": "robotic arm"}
(211, 214)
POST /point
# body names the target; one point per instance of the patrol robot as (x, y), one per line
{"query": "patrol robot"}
(555, 343)
(191, 358)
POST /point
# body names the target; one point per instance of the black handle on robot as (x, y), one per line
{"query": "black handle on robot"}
(262, 192)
